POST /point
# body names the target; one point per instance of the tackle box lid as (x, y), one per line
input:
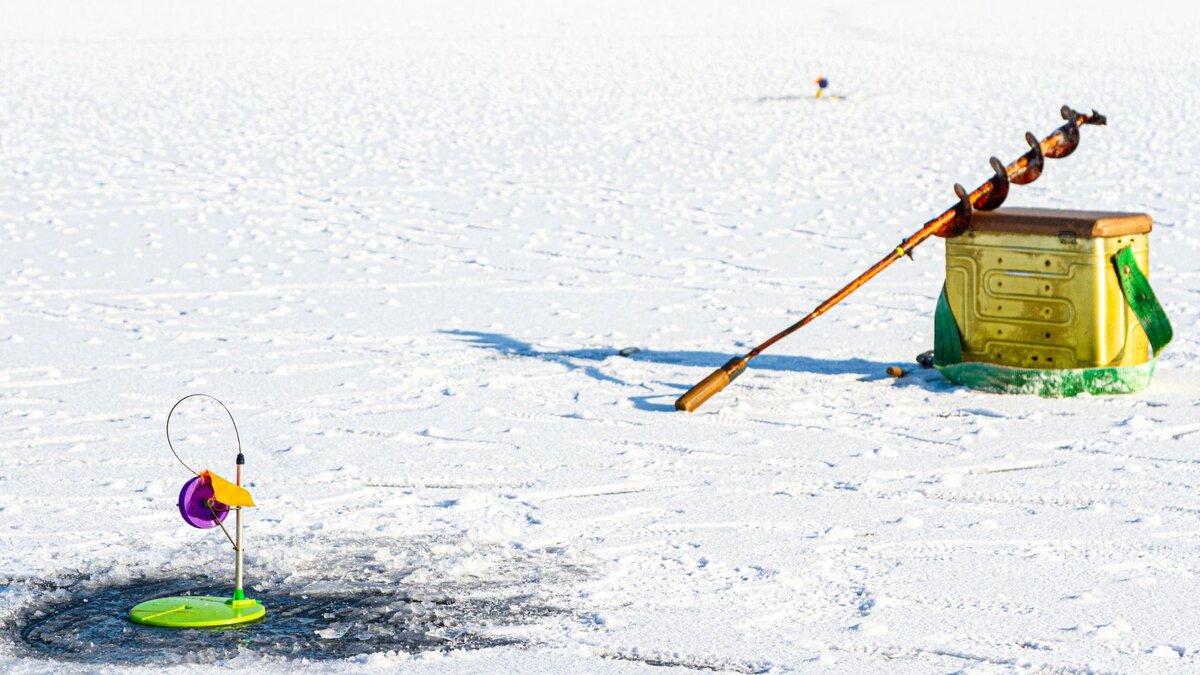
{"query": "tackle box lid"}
(1054, 222)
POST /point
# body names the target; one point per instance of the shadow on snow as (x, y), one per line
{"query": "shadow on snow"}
(588, 361)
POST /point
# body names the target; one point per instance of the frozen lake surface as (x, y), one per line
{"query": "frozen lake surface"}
(406, 244)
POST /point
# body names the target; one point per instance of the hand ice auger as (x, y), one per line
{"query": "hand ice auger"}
(953, 221)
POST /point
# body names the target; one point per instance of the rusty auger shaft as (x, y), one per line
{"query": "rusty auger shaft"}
(951, 222)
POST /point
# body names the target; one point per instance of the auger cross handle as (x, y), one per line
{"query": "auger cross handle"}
(953, 221)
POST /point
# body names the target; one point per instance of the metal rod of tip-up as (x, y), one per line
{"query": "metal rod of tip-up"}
(951, 222)
(238, 592)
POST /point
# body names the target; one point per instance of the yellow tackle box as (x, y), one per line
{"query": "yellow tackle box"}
(1037, 288)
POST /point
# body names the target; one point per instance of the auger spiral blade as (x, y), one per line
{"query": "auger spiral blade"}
(999, 186)
(1065, 138)
(962, 215)
(1031, 163)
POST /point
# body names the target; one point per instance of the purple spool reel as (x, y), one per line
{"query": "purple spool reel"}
(192, 505)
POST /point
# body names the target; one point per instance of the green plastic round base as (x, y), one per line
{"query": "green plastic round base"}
(199, 611)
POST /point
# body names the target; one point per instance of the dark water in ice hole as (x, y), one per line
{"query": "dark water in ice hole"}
(92, 625)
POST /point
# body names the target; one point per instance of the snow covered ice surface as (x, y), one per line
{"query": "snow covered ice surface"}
(405, 244)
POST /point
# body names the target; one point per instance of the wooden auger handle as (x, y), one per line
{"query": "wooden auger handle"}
(709, 386)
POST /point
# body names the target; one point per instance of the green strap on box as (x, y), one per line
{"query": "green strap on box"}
(947, 349)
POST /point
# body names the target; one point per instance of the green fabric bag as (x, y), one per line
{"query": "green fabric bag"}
(947, 350)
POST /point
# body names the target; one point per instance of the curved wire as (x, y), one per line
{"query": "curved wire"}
(237, 435)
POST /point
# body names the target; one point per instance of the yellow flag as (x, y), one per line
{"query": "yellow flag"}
(227, 493)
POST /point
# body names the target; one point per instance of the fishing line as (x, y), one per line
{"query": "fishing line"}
(237, 435)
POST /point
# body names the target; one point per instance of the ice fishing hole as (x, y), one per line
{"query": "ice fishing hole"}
(91, 625)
